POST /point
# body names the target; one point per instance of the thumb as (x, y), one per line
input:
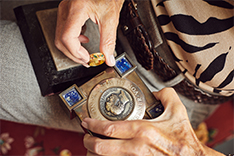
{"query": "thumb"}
(108, 29)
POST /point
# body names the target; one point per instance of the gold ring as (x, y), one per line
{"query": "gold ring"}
(96, 59)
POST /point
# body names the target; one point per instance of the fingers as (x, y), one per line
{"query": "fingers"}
(116, 147)
(142, 137)
(83, 39)
(109, 128)
(117, 129)
(71, 32)
(108, 24)
(91, 154)
(67, 37)
(174, 108)
(72, 15)
(107, 40)
(103, 146)
(167, 96)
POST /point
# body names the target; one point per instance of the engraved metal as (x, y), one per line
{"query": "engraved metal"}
(116, 99)
(116, 103)
(115, 94)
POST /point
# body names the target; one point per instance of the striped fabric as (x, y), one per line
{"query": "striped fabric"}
(200, 34)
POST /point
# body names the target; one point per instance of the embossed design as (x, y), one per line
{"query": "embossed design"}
(116, 103)
(116, 99)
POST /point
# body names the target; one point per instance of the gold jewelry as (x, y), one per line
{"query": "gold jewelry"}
(96, 59)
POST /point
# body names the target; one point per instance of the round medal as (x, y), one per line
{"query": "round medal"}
(116, 99)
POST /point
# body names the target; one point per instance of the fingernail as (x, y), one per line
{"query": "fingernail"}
(112, 60)
(85, 60)
(86, 65)
(84, 124)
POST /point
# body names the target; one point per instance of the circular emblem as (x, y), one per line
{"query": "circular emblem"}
(116, 99)
(116, 103)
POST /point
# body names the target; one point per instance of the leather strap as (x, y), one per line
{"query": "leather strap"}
(197, 95)
(141, 44)
(136, 34)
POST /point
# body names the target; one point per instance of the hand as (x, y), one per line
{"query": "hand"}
(169, 134)
(72, 15)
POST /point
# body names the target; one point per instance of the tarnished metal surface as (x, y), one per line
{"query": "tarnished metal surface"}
(116, 99)
(115, 94)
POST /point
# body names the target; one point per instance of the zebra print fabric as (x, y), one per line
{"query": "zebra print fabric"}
(200, 34)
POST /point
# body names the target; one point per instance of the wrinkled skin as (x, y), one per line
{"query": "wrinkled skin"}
(72, 15)
(169, 134)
